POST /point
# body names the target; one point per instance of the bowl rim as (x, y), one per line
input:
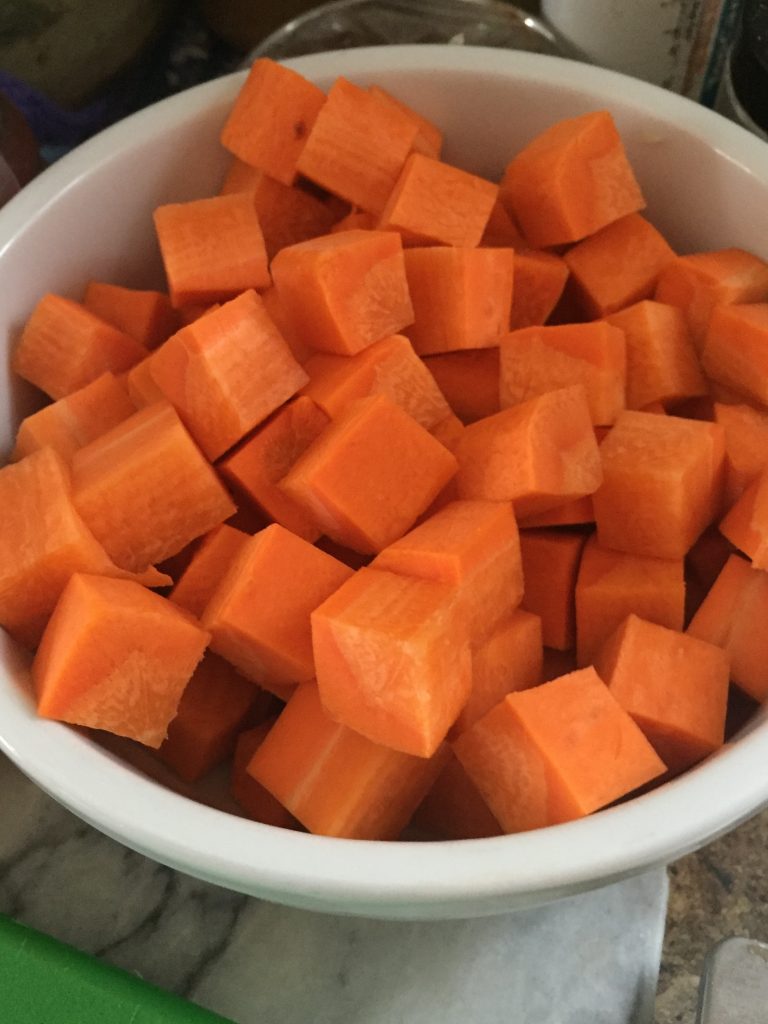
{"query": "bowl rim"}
(297, 867)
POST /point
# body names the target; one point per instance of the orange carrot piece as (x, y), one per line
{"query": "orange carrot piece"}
(355, 220)
(573, 513)
(240, 177)
(433, 203)
(146, 315)
(454, 808)
(535, 360)
(145, 489)
(461, 297)
(550, 569)
(141, 385)
(539, 454)
(662, 483)
(284, 324)
(369, 475)
(700, 281)
(735, 352)
(539, 282)
(212, 249)
(344, 291)
(469, 380)
(429, 138)
(358, 145)
(257, 802)
(473, 546)
(207, 568)
(674, 686)
(259, 614)
(613, 584)
(448, 432)
(336, 782)
(64, 346)
(76, 419)
(570, 181)
(227, 372)
(746, 446)
(502, 230)
(257, 465)
(388, 367)
(662, 365)
(746, 523)
(618, 265)
(392, 659)
(271, 119)
(556, 753)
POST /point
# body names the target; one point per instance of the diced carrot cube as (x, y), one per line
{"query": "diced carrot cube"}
(539, 454)
(336, 782)
(746, 446)
(550, 569)
(570, 181)
(429, 138)
(257, 802)
(662, 483)
(556, 753)
(259, 614)
(573, 513)
(613, 584)
(147, 316)
(141, 384)
(117, 657)
(469, 380)
(284, 324)
(392, 659)
(369, 475)
(735, 352)
(454, 808)
(344, 291)
(539, 282)
(746, 523)
(502, 230)
(271, 119)
(207, 568)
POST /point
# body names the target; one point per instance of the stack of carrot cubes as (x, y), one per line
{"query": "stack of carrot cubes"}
(417, 498)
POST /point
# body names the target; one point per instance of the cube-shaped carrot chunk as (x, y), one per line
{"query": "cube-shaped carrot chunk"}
(144, 314)
(207, 568)
(435, 203)
(336, 782)
(454, 808)
(746, 523)
(259, 614)
(429, 138)
(392, 659)
(227, 372)
(145, 489)
(535, 360)
(550, 568)
(141, 385)
(469, 380)
(370, 474)
(252, 798)
(735, 353)
(212, 249)
(538, 455)
(674, 686)
(746, 446)
(539, 282)
(342, 292)
(662, 486)
(613, 584)
(556, 752)
(271, 119)
(461, 297)
(117, 657)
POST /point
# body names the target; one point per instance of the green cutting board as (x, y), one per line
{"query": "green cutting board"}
(45, 982)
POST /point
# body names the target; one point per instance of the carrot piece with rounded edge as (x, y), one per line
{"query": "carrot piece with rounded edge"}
(259, 614)
(178, 496)
(662, 484)
(473, 546)
(141, 385)
(556, 752)
(618, 265)
(697, 282)
(392, 659)
(461, 297)
(550, 569)
(469, 380)
(535, 360)
(144, 314)
(358, 145)
(212, 249)
(388, 367)
(429, 138)
(674, 686)
(216, 704)
(64, 346)
(454, 808)
(336, 782)
(227, 372)
(257, 465)
(662, 365)
(540, 278)
(746, 446)
(570, 181)
(117, 657)
(502, 230)
(257, 802)
(283, 323)
(76, 419)
(539, 454)
(735, 352)
(745, 524)
(578, 512)
(369, 475)
(613, 584)
(207, 568)
(345, 291)
(434, 203)
(271, 119)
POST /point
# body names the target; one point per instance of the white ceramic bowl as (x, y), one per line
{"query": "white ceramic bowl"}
(89, 216)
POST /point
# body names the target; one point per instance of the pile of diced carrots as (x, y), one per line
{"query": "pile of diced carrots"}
(418, 500)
